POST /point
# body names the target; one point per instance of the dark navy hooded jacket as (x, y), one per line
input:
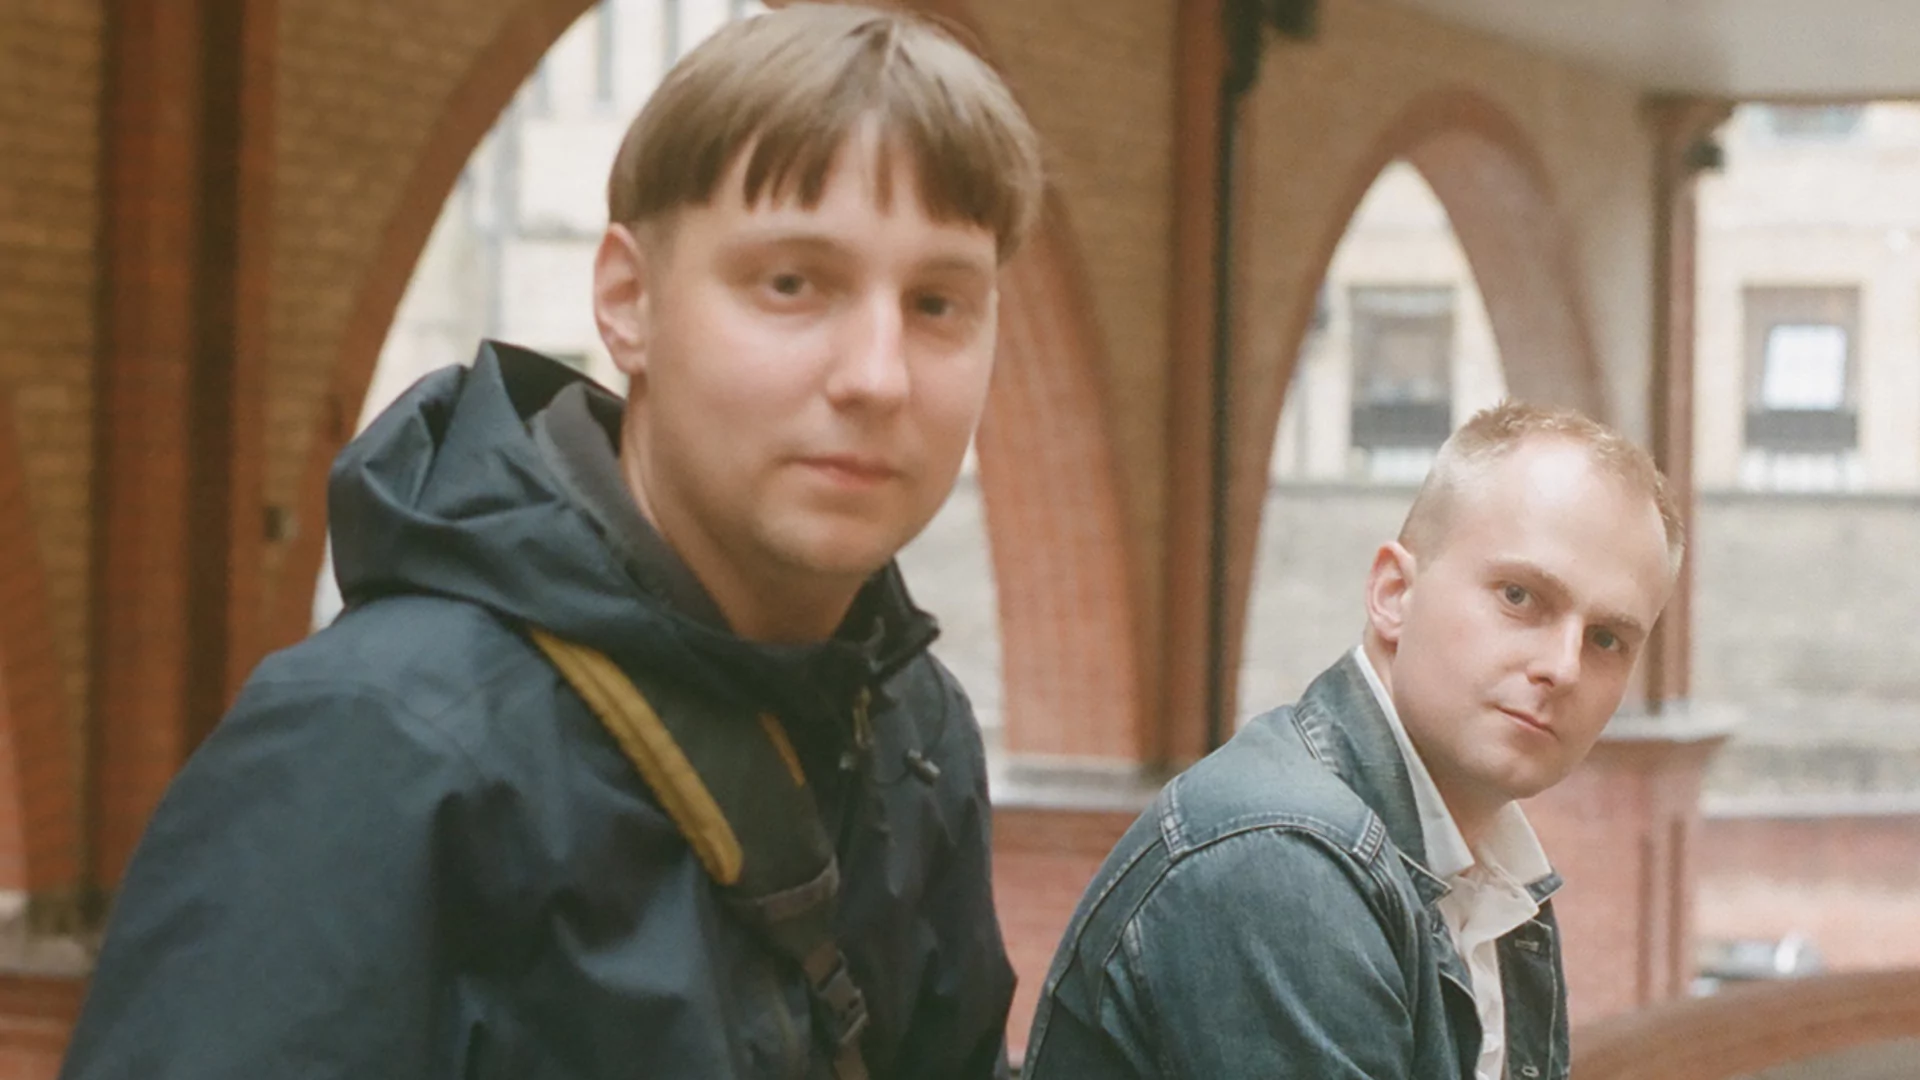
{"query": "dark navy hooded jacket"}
(411, 852)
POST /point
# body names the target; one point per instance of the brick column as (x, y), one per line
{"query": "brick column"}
(182, 334)
(1682, 128)
(1181, 732)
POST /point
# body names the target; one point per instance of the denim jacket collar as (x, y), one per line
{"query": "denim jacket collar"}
(1342, 724)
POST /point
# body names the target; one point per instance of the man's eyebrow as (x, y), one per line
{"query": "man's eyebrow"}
(808, 240)
(960, 264)
(819, 243)
(1618, 620)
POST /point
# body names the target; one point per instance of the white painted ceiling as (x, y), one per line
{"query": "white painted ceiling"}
(1725, 48)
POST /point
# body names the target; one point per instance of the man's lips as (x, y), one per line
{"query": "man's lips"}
(852, 468)
(1528, 719)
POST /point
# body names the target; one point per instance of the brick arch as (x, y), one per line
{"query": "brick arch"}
(492, 77)
(1061, 550)
(40, 836)
(1484, 170)
(1742, 1031)
(1048, 475)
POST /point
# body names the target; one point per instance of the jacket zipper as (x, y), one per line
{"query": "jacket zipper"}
(853, 767)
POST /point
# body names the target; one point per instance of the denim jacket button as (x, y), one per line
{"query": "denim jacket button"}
(1530, 1072)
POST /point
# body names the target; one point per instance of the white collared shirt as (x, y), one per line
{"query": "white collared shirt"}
(1486, 886)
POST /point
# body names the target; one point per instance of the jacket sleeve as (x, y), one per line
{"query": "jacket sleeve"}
(1263, 955)
(282, 915)
(960, 1019)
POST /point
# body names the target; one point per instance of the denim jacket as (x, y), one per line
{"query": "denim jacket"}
(1271, 915)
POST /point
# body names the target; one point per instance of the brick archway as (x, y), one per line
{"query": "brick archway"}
(1483, 169)
(40, 837)
(1048, 476)
(1485, 172)
(1745, 1030)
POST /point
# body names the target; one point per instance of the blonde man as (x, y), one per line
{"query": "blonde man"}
(413, 851)
(1348, 889)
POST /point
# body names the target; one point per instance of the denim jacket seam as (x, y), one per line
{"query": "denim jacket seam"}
(1132, 955)
(1120, 875)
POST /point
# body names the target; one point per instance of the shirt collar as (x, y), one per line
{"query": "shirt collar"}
(1510, 844)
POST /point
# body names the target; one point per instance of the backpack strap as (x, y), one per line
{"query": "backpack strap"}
(733, 786)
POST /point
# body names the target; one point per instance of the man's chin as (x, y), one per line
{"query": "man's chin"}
(850, 554)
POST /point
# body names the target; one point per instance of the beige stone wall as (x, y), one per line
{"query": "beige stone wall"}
(1812, 212)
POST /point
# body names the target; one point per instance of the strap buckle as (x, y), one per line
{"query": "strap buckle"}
(840, 1010)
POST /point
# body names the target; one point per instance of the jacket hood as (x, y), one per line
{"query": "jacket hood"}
(447, 493)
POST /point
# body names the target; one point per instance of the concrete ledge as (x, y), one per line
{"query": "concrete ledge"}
(1813, 805)
(1026, 781)
(26, 950)
(1677, 722)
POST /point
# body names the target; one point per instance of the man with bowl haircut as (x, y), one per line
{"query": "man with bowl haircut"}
(1348, 889)
(419, 846)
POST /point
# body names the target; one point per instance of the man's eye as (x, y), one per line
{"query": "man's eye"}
(1607, 640)
(788, 284)
(1515, 594)
(933, 305)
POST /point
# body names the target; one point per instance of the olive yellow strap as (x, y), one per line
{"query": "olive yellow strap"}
(652, 749)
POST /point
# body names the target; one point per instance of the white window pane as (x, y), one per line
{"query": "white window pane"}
(1806, 367)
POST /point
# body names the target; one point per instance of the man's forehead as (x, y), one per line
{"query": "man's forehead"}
(1592, 532)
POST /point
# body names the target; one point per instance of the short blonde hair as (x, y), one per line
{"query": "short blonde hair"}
(1494, 433)
(793, 85)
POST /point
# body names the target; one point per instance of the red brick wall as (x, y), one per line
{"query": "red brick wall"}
(1042, 861)
(39, 793)
(36, 1015)
(1847, 881)
(49, 193)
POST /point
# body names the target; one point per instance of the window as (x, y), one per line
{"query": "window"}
(1811, 121)
(1802, 423)
(1402, 370)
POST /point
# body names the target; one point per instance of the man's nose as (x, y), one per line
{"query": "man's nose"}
(871, 368)
(1557, 662)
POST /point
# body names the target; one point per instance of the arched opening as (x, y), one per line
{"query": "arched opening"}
(510, 254)
(1046, 487)
(1399, 352)
(1463, 210)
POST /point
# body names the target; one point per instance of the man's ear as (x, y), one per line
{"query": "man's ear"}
(1389, 591)
(622, 276)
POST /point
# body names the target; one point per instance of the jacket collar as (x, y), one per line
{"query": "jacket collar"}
(1343, 725)
(883, 631)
